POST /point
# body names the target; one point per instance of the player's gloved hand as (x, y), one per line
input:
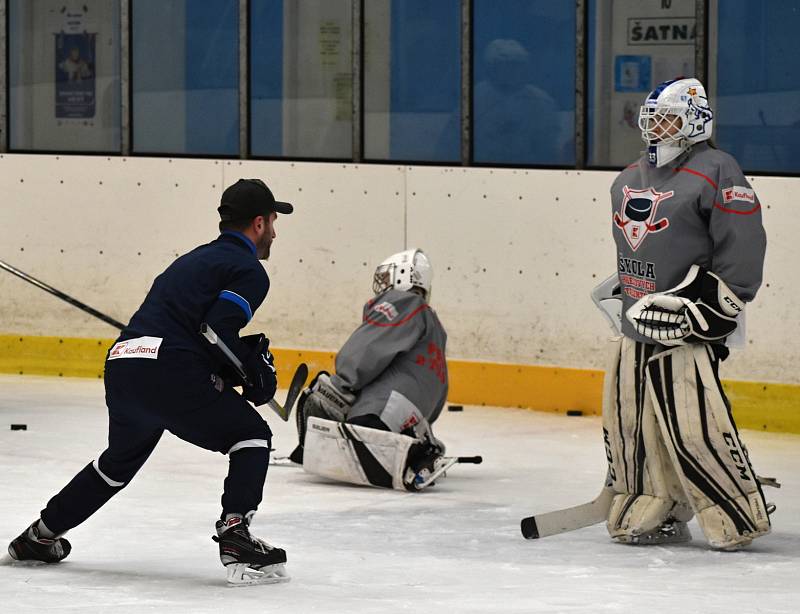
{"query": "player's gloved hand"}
(331, 400)
(701, 309)
(260, 371)
(422, 460)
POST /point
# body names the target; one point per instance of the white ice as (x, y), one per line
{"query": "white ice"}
(454, 548)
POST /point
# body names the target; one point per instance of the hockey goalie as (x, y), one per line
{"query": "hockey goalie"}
(370, 422)
(690, 246)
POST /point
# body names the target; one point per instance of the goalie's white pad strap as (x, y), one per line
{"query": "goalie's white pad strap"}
(639, 464)
(355, 454)
(703, 442)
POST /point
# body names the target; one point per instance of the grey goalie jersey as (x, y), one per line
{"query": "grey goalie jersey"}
(396, 357)
(698, 210)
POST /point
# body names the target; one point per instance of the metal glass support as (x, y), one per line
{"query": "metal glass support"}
(357, 70)
(701, 30)
(581, 41)
(244, 79)
(466, 82)
(125, 128)
(3, 76)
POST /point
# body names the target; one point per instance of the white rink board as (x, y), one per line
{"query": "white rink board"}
(542, 236)
(453, 549)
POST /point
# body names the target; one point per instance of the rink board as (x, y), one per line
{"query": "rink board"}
(756, 405)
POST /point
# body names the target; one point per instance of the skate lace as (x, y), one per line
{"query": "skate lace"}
(260, 544)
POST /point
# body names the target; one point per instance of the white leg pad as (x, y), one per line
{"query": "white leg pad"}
(704, 444)
(355, 454)
(642, 472)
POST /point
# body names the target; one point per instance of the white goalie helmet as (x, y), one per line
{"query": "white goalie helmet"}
(674, 117)
(404, 271)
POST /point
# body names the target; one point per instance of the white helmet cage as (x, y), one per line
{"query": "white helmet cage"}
(674, 117)
(404, 271)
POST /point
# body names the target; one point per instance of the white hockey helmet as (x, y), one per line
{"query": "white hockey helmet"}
(404, 271)
(674, 117)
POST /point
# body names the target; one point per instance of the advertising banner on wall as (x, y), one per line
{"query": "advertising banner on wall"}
(75, 75)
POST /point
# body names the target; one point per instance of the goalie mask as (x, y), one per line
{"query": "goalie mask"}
(404, 271)
(674, 117)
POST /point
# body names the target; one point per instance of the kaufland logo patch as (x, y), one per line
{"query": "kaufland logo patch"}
(141, 347)
(387, 309)
(738, 193)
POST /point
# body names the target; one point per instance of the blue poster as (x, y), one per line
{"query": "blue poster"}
(632, 73)
(75, 75)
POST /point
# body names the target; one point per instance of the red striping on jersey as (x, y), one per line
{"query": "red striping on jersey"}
(706, 177)
(401, 322)
(748, 212)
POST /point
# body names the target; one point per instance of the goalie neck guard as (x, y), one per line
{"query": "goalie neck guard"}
(404, 271)
(674, 117)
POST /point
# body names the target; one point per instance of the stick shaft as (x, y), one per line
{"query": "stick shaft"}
(214, 339)
(64, 297)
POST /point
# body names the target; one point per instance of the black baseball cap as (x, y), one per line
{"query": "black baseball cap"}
(248, 198)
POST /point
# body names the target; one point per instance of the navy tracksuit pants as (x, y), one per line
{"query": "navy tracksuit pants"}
(179, 393)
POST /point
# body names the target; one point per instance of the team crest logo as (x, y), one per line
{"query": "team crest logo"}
(637, 215)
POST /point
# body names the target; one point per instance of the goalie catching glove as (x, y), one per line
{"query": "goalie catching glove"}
(701, 309)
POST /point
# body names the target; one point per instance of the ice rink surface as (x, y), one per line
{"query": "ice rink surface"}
(455, 548)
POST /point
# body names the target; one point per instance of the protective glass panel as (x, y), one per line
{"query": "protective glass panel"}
(185, 76)
(301, 80)
(632, 47)
(524, 82)
(412, 80)
(754, 50)
(63, 62)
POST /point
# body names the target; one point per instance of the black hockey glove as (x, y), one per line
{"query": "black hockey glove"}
(701, 309)
(260, 371)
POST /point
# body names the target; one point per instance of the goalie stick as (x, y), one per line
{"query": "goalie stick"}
(298, 380)
(571, 518)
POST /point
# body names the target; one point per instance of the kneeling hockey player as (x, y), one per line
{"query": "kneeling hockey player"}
(370, 422)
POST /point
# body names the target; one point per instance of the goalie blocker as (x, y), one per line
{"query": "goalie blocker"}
(366, 456)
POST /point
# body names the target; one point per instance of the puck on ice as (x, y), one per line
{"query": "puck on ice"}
(455, 408)
(574, 412)
(19, 427)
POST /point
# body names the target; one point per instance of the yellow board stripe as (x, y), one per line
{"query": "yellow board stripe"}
(761, 406)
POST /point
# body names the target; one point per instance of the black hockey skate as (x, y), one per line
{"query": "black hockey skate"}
(248, 560)
(32, 547)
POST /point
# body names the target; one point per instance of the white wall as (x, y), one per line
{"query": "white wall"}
(515, 252)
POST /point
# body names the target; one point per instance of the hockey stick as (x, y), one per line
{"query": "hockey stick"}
(446, 463)
(64, 297)
(571, 518)
(283, 412)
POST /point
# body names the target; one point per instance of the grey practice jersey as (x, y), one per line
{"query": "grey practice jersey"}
(399, 349)
(700, 210)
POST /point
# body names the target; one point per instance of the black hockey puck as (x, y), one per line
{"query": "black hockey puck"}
(574, 412)
(19, 427)
(455, 408)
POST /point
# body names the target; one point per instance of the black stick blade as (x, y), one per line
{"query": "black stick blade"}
(529, 528)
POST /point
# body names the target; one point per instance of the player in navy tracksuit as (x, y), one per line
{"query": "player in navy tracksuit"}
(161, 374)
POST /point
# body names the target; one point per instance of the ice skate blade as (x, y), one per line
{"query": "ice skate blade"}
(240, 574)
